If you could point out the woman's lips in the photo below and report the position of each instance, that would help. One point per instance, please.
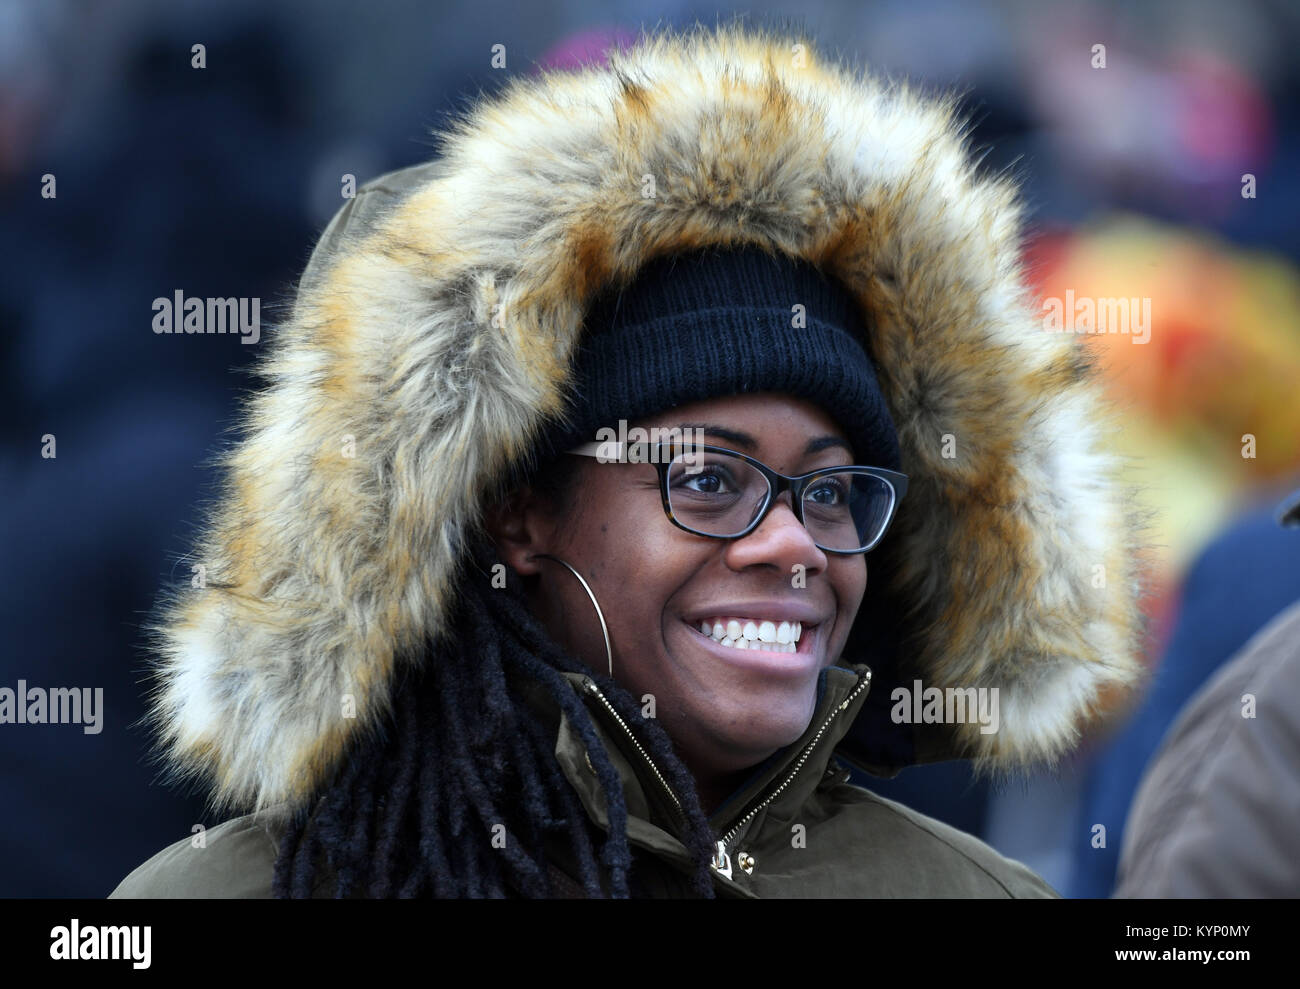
(797, 662)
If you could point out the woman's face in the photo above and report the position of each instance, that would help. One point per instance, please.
(725, 708)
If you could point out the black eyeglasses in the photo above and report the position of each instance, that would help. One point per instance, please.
(711, 491)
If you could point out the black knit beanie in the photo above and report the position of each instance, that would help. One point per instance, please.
(712, 323)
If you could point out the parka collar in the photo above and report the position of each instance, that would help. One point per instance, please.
(781, 783)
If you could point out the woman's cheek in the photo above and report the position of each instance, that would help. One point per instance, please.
(850, 586)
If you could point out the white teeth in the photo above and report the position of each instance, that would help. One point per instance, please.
(739, 633)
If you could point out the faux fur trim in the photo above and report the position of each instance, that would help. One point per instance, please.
(421, 363)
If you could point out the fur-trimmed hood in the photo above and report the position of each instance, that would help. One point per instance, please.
(429, 343)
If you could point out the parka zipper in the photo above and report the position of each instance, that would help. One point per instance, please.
(721, 860)
(591, 688)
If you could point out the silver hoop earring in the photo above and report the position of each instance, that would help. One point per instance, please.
(604, 629)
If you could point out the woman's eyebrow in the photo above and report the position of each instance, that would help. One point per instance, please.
(749, 443)
(825, 442)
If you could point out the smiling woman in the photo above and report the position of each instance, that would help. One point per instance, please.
(728, 706)
(468, 658)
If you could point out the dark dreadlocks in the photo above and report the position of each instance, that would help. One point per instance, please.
(412, 810)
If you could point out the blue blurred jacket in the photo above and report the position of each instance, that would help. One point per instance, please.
(1244, 578)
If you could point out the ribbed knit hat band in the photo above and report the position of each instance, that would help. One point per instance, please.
(715, 323)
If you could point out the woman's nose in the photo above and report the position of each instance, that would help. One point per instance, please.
(780, 539)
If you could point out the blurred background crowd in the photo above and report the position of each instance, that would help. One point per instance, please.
(1169, 174)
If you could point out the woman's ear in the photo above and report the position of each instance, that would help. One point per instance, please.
(521, 527)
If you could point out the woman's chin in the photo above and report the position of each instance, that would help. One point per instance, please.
(750, 741)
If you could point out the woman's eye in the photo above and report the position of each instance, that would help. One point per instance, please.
(707, 482)
(827, 492)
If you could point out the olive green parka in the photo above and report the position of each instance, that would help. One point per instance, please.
(797, 829)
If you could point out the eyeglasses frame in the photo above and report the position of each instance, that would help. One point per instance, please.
(777, 484)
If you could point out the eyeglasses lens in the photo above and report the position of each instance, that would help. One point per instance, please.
(721, 495)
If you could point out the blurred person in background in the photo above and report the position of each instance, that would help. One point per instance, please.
(1217, 814)
(151, 191)
(1246, 578)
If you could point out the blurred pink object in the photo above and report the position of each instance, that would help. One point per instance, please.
(1157, 120)
(585, 48)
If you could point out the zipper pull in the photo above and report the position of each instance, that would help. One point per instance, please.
(722, 861)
